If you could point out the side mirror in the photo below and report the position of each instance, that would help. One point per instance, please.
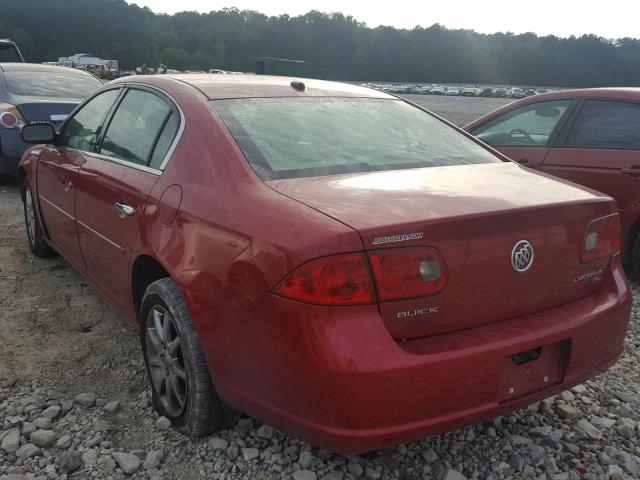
(38, 132)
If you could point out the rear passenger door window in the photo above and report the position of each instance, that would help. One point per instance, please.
(528, 126)
(142, 122)
(608, 124)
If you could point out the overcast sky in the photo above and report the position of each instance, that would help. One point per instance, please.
(610, 18)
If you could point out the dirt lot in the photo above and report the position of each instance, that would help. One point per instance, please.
(58, 339)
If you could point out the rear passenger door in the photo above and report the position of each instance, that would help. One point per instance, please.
(526, 133)
(114, 183)
(601, 150)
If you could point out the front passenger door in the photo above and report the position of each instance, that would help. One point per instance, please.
(57, 173)
(525, 134)
(114, 183)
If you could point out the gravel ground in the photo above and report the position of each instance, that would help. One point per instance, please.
(74, 401)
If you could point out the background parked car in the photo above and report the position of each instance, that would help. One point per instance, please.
(9, 52)
(486, 92)
(516, 92)
(500, 92)
(32, 92)
(590, 136)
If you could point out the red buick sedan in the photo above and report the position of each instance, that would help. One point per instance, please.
(588, 136)
(330, 259)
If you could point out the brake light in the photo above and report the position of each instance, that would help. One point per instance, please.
(601, 239)
(408, 272)
(336, 280)
(10, 116)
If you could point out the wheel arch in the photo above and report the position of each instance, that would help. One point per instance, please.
(145, 270)
(22, 176)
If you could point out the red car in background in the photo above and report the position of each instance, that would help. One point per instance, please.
(330, 259)
(588, 136)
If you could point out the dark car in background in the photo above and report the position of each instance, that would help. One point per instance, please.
(9, 52)
(31, 92)
(587, 136)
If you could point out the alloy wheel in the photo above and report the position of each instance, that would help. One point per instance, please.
(30, 215)
(166, 361)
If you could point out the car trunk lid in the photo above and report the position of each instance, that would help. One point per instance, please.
(474, 215)
(38, 109)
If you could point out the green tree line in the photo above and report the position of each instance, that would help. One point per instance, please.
(339, 46)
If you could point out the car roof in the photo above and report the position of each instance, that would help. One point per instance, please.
(630, 93)
(216, 87)
(620, 93)
(37, 67)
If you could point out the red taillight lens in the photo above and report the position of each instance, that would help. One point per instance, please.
(336, 280)
(408, 272)
(602, 239)
(10, 116)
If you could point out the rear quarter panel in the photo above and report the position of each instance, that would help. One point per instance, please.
(232, 238)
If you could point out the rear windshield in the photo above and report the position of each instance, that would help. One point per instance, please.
(50, 84)
(9, 53)
(294, 137)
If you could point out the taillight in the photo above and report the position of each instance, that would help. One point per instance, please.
(408, 272)
(10, 116)
(602, 238)
(336, 280)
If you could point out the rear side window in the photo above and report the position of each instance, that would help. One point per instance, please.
(50, 84)
(135, 127)
(606, 124)
(302, 137)
(165, 140)
(527, 126)
(81, 130)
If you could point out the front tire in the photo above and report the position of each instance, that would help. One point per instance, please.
(180, 380)
(35, 235)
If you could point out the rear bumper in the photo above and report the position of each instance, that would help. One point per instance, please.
(11, 150)
(336, 378)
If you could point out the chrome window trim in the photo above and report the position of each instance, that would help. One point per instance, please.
(144, 168)
(118, 161)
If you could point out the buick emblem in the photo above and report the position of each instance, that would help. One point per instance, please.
(522, 256)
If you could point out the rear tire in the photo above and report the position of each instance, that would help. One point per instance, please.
(35, 235)
(180, 380)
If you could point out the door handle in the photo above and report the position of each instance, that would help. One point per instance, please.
(633, 171)
(525, 162)
(124, 208)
